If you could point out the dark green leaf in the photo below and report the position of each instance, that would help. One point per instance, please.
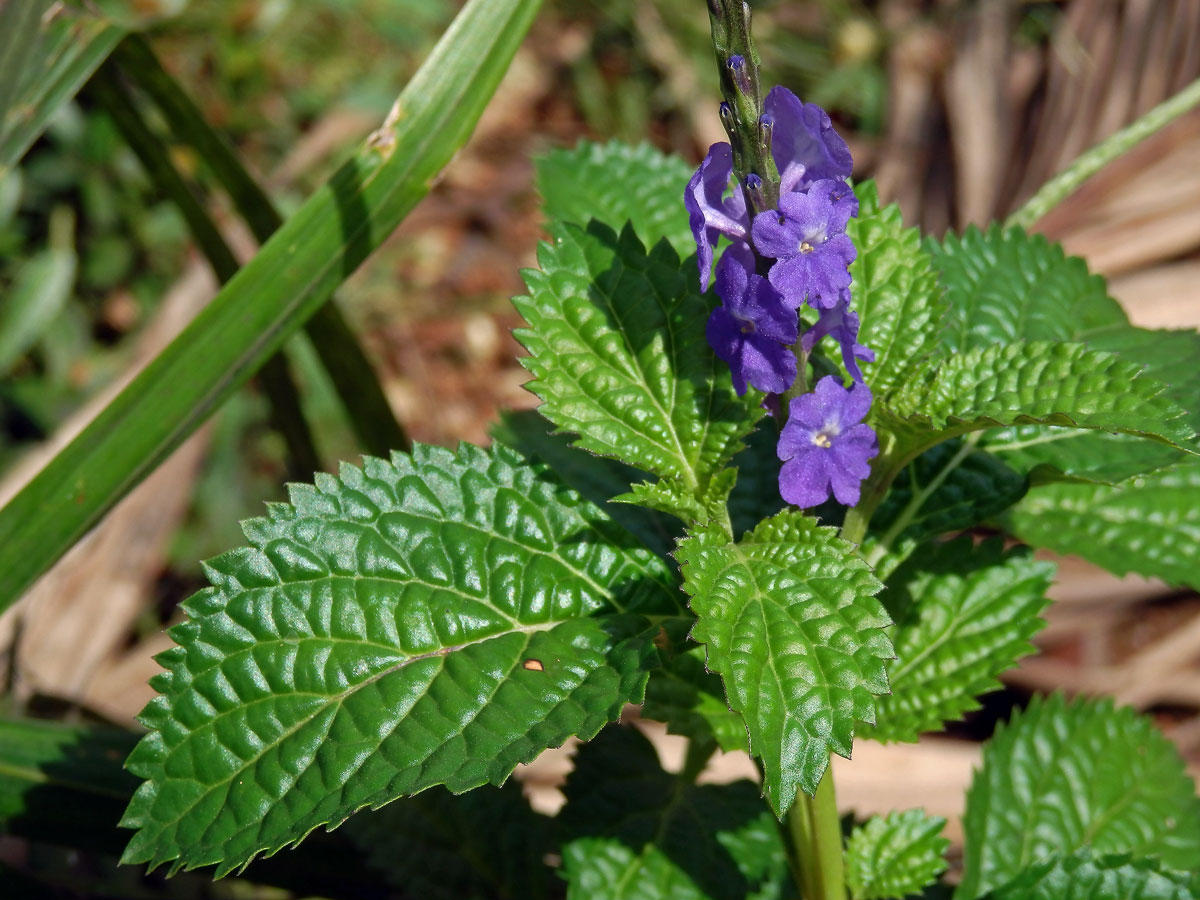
(791, 625)
(615, 183)
(1149, 525)
(486, 844)
(964, 614)
(618, 356)
(435, 620)
(634, 832)
(895, 290)
(1067, 775)
(896, 856)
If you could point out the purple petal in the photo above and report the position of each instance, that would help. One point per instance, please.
(710, 214)
(804, 480)
(775, 236)
(804, 144)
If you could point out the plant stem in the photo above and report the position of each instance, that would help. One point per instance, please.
(287, 414)
(1092, 161)
(816, 834)
(370, 414)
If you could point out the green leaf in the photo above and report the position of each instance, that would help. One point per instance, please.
(294, 273)
(1067, 775)
(1149, 525)
(791, 625)
(616, 183)
(1085, 876)
(52, 58)
(486, 844)
(64, 784)
(1004, 285)
(964, 614)
(1166, 356)
(634, 832)
(435, 620)
(618, 356)
(690, 699)
(895, 856)
(895, 290)
(1029, 382)
(949, 487)
(596, 478)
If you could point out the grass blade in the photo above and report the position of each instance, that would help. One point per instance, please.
(290, 278)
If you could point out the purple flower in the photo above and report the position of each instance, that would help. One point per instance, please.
(808, 237)
(825, 446)
(805, 149)
(840, 323)
(803, 143)
(752, 329)
(710, 212)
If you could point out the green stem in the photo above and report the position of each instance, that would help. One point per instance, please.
(370, 414)
(287, 415)
(1092, 161)
(816, 834)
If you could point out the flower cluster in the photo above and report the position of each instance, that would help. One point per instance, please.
(781, 259)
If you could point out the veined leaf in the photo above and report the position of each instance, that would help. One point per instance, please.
(634, 832)
(293, 274)
(596, 478)
(1005, 284)
(1029, 382)
(435, 620)
(486, 844)
(615, 183)
(690, 699)
(1064, 776)
(896, 856)
(791, 625)
(964, 615)
(895, 290)
(1149, 525)
(1085, 876)
(618, 356)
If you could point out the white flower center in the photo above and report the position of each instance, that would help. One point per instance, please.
(824, 438)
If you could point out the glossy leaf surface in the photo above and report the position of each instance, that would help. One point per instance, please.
(790, 622)
(433, 620)
(1062, 776)
(964, 614)
(615, 183)
(895, 856)
(618, 356)
(1086, 876)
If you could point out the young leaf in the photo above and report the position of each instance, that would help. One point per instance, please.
(1030, 382)
(615, 183)
(486, 844)
(1085, 876)
(895, 856)
(634, 832)
(1067, 775)
(791, 625)
(618, 355)
(895, 289)
(1004, 284)
(1149, 525)
(435, 620)
(964, 614)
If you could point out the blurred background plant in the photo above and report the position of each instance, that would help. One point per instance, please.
(959, 109)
